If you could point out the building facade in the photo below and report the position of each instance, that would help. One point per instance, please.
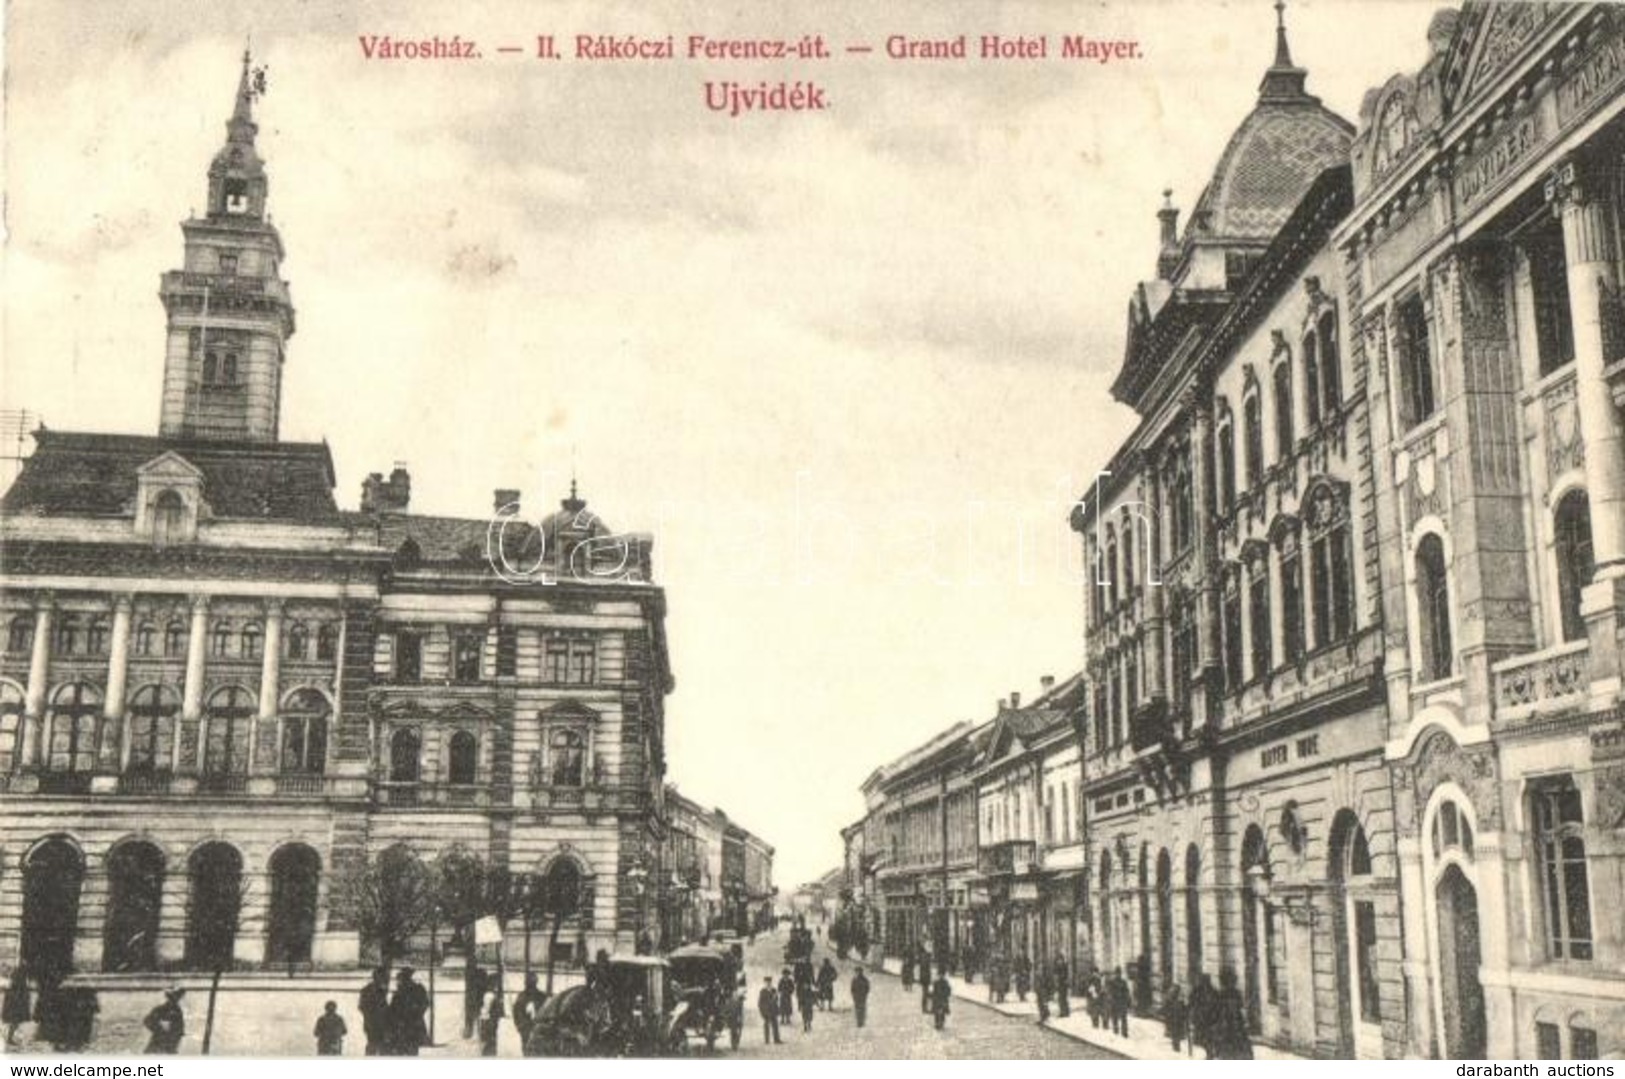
(226, 700)
(1484, 256)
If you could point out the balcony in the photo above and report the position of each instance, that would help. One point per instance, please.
(64, 782)
(144, 783)
(448, 795)
(1150, 725)
(1540, 683)
(1010, 858)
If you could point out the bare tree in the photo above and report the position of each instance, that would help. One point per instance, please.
(390, 898)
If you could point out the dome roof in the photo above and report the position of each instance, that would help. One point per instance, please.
(575, 518)
(1287, 141)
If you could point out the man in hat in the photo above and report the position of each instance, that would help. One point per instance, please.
(767, 1003)
(860, 996)
(408, 1032)
(167, 1023)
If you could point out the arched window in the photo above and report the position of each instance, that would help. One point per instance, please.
(75, 721)
(175, 638)
(1331, 569)
(404, 752)
(20, 634)
(1183, 502)
(1283, 409)
(1564, 885)
(96, 637)
(1230, 604)
(1227, 459)
(565, 889)
(1576, 561)
(229, 711)
(1258, 613)
(1331, 362)
(1451, 831)
(220, 639)
(1311, 377)
(298, 641)
(1193, 912)
(152, 728)
(464, 758)
(1433, 609)
(1111, 568)
(1128, 556)
(168, 519)
(327, 642)
(146, 639)
(304, 733)
(1415, 361)
(1291, 556)
(11, 721)
(251, 639)
(568, 758)
(1253, 421)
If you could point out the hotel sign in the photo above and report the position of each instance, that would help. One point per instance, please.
(1591, 79)
(1490, 166)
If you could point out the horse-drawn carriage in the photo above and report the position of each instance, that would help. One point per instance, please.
(624, 1010)
(710, 996)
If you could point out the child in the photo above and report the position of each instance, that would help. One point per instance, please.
(330, 1031)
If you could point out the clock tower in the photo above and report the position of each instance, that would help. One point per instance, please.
(229, 313)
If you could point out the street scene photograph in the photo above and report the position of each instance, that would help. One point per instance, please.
(1007, 530)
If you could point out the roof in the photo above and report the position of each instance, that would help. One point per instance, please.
(1283, 144)
(94, 475)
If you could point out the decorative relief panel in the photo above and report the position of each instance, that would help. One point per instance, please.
(1437, 759)
(1565, 448)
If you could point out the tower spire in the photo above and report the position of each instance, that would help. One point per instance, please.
(1283, 82)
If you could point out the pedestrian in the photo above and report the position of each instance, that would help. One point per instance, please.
(490, 1022)
(908, 968)
(767, 1003)
(374, 1008)
(1042, 990)
(860, 996)
(17, 1007)
(827, 976)
(525, 1008)
(473, 994)
(787, 996)
(330, 1031)
(941, 991)
(1175, 1019)
(1200, 1012)
(1117, 999)
(1230, 1040)
(1024, 977)
(407, 1030)
(1063, 987)
(1094, 995)
(166, 1023)
(807, 1001)
(51, 1010)
(926, 984)
(80, 1027)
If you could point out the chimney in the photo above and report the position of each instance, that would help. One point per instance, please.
(1015, 700)
(1047, 682)
(393, 495)
(1168, 246)
(504, 496)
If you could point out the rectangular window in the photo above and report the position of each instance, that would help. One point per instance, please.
(1415, 363)
(1549, 281)
(465, 657)
(1582, 1043)
(583, 662)
(1320, 589)
(1232, 638)
(1548, 1044)
(1565, 885)
(408, 656)
(1365, 956)
(1342, 614)
(557, 659)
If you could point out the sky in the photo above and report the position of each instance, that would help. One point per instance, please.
(850, 366)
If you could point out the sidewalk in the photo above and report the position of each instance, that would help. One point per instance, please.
(1145, 1040)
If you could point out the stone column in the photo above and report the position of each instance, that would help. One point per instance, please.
(39, 667)
(192, 695)
(1207, 613)
(1574, 193)
(118, 666)
(270, 680)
